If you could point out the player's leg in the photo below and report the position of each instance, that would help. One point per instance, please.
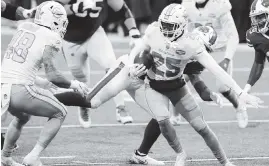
(77, 61)
(100, 49)
(42, 103)
(185, 103)
(230, 95)
(157, 105)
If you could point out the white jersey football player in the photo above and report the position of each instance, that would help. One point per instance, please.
(33, 45)
(216, 13)
(172, 47)
(85, 38)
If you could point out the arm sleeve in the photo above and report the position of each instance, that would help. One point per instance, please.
(257, 68)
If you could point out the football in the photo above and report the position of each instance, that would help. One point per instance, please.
(145, 58)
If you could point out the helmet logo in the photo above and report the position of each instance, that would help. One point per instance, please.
(57, 12)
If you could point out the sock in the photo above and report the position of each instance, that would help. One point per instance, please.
(2, 140)
(170, 134)
(72, 99)
(231, 96)
(11, 137)
(151, 134)
(49, 131)
(213, 143)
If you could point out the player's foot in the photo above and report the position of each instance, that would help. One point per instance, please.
(8, 161)
(84, 117)
(175, 120)
(122, 115)
(242, 117)
(181, 159)
(15, 148)
(139, 158)
(32, 161)
(229, 164)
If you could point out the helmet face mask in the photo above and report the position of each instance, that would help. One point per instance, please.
(173, 21)
(261, 22)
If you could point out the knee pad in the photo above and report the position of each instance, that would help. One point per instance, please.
(80, 74)
(198, 124)
(61, 114)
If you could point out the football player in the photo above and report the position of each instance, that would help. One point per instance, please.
(216, 13)
(86, 38)
(34, 44)
(11, 12)
(172, 47)
(258, 37)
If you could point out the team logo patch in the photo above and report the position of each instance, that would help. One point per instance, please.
(180, 52)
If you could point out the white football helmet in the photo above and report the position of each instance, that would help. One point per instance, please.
(259, 14)
(207, 35)
(53, 16)
(173, 21)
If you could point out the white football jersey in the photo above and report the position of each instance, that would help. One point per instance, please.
(24, 55)
(210, 15)
(170, 58)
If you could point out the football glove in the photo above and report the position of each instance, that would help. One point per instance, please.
(250, 99)
(29, 13)
(135, 37)
(217, 99)
(78, 8)
(247, 88)
(79, 87)
(137, 70)
(225, 64)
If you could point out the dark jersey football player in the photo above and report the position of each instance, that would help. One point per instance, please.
(12, 12)
(258, 38)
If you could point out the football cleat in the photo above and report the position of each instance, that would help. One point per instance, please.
(144, 160)
(31, 161)
(84, 117)
(242, 118)
(176, 120)
(8, 161)
(122, 115)
(181, 159)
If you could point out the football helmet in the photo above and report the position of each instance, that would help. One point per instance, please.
(52, 15)
(173, 21)
(200, 1)
(207, 35)
(259, 14)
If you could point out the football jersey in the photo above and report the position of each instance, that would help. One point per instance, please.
(209, 16)
(170, 58)
(79, 29)
(24, 55)
(259, 41)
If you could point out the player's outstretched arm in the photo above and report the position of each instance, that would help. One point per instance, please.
(208, 62)
(256, 70)
(55, 76)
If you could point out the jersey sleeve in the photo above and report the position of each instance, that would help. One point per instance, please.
(193, 46)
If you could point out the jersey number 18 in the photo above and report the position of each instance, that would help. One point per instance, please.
(19, 45)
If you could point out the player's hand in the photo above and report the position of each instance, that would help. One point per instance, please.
(29, 13)
(79, 87)
(216, 98)
(135, 37)
(137, 70)
(225, 64)
(250, 99)
(77, 8)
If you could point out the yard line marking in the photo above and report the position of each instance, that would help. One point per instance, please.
(170, 161)
(141, 124)
(55, 157)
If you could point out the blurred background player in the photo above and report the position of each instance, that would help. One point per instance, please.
(258, 37)
(218, 15)
(86, 38)
(33, 45)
